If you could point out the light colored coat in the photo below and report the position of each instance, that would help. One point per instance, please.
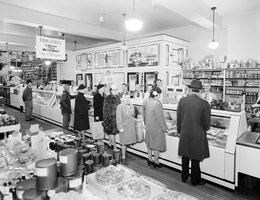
(155, 124)
(125, 121)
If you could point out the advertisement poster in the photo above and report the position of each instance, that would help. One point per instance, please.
(100, 60)
(143, 56)
(50, 48)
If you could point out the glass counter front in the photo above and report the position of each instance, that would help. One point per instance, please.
(217, 135)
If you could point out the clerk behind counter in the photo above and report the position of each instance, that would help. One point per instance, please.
(207, 95)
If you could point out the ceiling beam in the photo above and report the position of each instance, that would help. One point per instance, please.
(198, 12)
(18, 15)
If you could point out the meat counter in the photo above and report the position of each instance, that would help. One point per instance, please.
(226, 127)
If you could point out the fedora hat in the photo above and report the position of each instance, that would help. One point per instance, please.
(196, 84)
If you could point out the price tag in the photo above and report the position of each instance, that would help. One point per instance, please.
(41, 172)
(64, 159)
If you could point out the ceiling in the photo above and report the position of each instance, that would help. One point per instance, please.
(78, 19)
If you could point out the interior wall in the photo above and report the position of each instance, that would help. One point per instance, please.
(243, 35)
(67, 68)
(199, 38)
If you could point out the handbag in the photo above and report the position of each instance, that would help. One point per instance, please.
(139, 131)
(97, 130)
(107, 129)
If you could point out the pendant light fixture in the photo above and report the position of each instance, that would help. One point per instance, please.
(133, 24)
(213, 44)
(124, 46)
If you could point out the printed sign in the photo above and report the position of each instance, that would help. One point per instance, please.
(50, 48)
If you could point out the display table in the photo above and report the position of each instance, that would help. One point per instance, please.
(111, 191)
(248, 154)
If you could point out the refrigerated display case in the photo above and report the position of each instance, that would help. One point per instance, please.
(226, 127)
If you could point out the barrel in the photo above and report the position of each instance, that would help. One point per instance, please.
(69, 162)
(46, 174)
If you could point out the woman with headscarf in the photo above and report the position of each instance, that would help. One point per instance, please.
(155, 126)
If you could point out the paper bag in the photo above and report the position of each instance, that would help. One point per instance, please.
(139, 131)
(97, 130)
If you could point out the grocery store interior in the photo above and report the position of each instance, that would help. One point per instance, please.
(131, 44)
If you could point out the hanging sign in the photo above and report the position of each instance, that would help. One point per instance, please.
(50, 48)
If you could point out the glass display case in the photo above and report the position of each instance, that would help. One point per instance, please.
(43, 97)
(217, 135)
(226, 128)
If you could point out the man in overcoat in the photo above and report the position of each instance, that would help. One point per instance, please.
(193, 120)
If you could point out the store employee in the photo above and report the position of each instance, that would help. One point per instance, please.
(207, 95)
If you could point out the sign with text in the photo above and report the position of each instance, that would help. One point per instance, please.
(50, 48)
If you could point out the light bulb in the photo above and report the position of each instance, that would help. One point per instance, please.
(124, 47)
(133, 24)
(47, 62)
(213, 44)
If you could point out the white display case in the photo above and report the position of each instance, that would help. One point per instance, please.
(220, 167)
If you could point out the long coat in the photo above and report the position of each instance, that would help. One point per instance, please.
(98, 101)
(81, 119)
(155, 124)
(126, 121)
(193, 120)
(109, 114)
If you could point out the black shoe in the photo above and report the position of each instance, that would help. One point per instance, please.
(124, 161)
(201, 182)
(159, 165)
(184, 179)
(149, 162)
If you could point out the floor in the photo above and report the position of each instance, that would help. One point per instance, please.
(166, 175)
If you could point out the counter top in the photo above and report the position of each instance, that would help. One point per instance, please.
(249, 139)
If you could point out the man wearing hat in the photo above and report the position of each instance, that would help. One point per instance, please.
(27, 99)
(81, 118)
(66, 105)
(98, 101)
(193, 120)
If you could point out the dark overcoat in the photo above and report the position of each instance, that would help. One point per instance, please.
(193, 120)
(98, 101)
(81, 118)
(109, 114)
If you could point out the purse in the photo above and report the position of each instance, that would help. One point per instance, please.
(139, 131)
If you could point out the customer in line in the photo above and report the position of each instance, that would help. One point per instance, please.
(81, 118)
(66, 106)
(109, 114)
(155, 127)
(125, 113)
(148, 91)
(28, 101)
(98, 101)
(193, 120)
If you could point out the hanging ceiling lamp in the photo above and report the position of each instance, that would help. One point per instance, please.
(213, 44)
(133, 24)
(124, 47)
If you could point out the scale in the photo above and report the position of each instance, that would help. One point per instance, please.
(177, 91)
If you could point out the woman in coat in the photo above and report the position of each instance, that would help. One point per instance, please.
(109, 114)
(98, 101)
(81, 118)
(155, 126)
(125, 120)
